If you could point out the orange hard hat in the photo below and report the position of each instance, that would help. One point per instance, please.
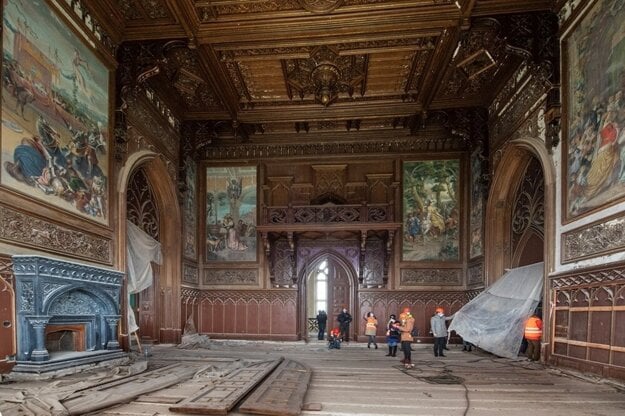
(406, 310)
(440, 310)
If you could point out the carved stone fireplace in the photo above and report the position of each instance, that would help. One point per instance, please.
(67, 313)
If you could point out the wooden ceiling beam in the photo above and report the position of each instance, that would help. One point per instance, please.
(497, 7)
(219, 82)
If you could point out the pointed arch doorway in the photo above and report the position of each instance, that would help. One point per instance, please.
(329, 284)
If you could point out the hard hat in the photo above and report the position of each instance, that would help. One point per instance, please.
(440, 310)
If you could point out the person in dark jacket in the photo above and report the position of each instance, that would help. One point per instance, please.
(344, 319)
(392, 336)
(322, 319)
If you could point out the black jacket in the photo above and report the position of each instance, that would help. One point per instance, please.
(322, 318)
(344, 318)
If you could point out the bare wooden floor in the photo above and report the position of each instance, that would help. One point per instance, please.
(359, 381)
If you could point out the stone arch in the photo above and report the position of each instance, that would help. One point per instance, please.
(165, 194)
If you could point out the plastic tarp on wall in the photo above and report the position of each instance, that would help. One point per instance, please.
(141, 250)
(495, 319)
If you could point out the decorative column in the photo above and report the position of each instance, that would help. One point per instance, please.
(39, 323)
(113, 343)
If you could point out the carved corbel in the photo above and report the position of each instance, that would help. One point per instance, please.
(552, 120)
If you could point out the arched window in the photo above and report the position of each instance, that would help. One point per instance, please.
(321, 286)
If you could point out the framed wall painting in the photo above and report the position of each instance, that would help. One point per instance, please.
(594, 109)
(55, 112)
(431, 210)
(231, 214)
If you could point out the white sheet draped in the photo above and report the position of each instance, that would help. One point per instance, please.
(495, 319)
(141, 250)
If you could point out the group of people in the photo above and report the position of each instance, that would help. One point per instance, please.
(401, 332)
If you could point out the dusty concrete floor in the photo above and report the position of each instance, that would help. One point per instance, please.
(359, 381)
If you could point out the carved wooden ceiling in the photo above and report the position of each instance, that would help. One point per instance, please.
(280, 68)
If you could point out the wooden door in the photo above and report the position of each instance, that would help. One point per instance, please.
(340, 293)
(7, 324)
(147, 307)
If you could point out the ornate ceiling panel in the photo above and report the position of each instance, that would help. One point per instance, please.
(300, 66)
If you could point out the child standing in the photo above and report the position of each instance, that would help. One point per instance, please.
(371, 329)
(392, 336)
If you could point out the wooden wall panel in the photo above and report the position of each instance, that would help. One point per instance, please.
(588, 327)
(249, 314)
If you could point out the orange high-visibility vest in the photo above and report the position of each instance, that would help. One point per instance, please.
(534, 328)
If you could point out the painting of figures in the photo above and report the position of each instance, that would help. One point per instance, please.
(231, 214)
(594, 148)
(477, 205)
(55, 112)
(430, 210)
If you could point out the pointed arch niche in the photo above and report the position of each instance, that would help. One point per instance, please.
(166, 290)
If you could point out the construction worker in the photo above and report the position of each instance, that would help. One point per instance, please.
(405, 326)
(533, 334)
(439, 330)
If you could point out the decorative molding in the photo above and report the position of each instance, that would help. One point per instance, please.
(380, 147)
(430, 277)
(141, 205)
(589, 277)
(412, 298)
(19, 228)
(283, 296)
(226, 277)
(87, 21)
(592, 240)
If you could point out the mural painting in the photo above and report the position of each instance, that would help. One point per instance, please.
(430, 210)
(477, 205)
(594, 53)
(231, 214)
(190, 216)
(55, 112)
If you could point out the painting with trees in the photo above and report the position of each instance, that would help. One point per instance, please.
(231, 213)
(430, 210)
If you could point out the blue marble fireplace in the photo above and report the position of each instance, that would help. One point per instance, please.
(67, 313)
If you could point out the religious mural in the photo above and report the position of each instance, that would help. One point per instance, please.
(594, 55)
(231, 213)
(189, 210)
(55, 112)
(477, 205)
(430, 210)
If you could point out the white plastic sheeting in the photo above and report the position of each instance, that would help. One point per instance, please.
(495, 319)
(141, 250)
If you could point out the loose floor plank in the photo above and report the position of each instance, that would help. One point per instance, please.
(224, 393)
(282, 394)
(124, 390)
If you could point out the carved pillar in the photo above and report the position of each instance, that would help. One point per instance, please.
(39, 323)
(270, 263)
(292, 257)
(387, 257)
(363, 251)
(112, 343)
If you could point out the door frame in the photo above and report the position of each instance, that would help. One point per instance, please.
(302, 284)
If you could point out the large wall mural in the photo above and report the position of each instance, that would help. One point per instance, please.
(231, 213)
(55, 112)
(594, 54)
(430, 210)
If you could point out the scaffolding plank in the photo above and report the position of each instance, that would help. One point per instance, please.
(282, 394)
(224, 393)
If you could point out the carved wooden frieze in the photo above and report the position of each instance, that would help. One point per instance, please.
(21, 229)
(412, 298)
(144, 9)
(190, 274)
(282, 263)
(596, 239)
(227, 277)
(307, 250)
(475, 274)
(399, 145)
(283, 296)
(430, 277)
(590, 277)
(147, 121)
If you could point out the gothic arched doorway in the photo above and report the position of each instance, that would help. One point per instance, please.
(148, 199)
(327, 284)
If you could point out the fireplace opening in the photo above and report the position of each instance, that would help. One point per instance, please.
(62, 338)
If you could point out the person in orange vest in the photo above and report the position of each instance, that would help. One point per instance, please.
(405, 327)
(533, 334)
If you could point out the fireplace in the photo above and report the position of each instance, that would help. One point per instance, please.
(67, 313)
